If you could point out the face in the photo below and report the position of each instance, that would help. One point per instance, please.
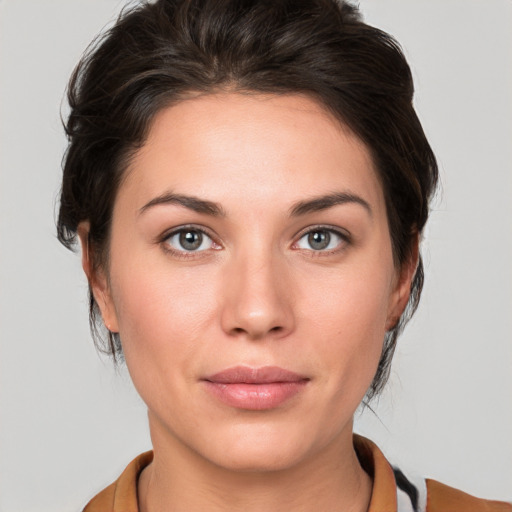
(251, 278)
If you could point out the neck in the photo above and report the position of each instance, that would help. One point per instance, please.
(180, 479)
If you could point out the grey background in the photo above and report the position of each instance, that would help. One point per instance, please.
(69, 423)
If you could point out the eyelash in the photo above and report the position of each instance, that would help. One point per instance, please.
(344, 237)
(183, 253)
(344, 240)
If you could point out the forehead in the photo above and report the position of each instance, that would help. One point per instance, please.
(275, 148)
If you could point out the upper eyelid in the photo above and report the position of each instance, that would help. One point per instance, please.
(327, 227)
(192, 227)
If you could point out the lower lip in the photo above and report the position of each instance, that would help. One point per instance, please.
(255, 397)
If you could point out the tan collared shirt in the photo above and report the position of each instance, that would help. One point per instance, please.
(121, 496)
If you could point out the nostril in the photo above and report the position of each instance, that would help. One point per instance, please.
(256, 333)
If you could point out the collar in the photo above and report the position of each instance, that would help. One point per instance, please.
(375, 464)
(121, 496)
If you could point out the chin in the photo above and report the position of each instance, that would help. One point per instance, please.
(245, 459)
(261, 449)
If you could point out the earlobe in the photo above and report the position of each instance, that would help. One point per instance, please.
(402, 289)
(97, 278)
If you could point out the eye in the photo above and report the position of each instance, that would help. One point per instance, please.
(189, 240)
(321, 239)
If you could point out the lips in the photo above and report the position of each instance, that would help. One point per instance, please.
(262, 388)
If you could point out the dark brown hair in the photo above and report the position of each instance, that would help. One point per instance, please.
(158, 52)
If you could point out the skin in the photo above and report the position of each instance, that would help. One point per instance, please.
(256, 293)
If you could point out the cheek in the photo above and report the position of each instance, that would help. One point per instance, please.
(348, 315)
(162, 315)
(165, 323)
(353, 300)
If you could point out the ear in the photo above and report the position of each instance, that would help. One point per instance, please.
(98, 281)
(402, 286)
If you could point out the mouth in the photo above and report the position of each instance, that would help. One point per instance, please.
(255, 389)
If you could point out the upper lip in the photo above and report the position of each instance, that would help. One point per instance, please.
(247, 375)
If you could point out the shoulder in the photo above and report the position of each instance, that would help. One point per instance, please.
(395, 491)
(103, 501)
(442, 498)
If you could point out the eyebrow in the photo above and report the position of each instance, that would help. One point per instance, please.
(317, 204)
(190, 202)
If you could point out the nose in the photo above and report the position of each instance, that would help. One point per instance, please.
(258, 299)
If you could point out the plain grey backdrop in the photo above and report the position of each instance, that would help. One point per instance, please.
(70, 423)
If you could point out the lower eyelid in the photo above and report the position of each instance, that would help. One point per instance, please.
(344, 238)
(166, 237)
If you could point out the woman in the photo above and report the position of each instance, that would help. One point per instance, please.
(249, 183)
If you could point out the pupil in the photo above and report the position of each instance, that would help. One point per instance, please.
(191, 240)
(319, 239)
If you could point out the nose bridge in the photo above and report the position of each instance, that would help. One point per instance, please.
(258, 301)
